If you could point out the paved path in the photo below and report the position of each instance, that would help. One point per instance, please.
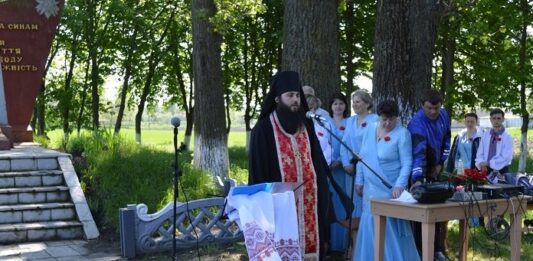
(61, 250)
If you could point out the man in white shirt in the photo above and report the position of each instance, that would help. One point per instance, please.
(495, 151)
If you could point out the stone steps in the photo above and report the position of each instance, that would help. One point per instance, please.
(39, 231)
(49, 194)
(36, 178)
(41, 198)
(25, 213)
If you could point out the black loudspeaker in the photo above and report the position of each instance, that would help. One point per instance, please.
(432, 193)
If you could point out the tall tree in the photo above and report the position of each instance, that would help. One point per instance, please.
(179, 68)
(129, 45)
(403, 51)
(524, 72)
(210, 150)
(311, 44)
(155, 40)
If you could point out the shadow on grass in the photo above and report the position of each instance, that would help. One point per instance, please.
(482, 247)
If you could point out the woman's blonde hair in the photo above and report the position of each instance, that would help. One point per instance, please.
(364, 96)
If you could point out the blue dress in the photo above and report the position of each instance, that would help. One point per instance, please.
(392, 158)
(338, 232)
(353, 136)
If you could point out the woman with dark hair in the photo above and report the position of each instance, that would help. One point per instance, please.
(386, 147)
(338, 112)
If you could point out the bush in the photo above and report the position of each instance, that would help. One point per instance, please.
(119, 172)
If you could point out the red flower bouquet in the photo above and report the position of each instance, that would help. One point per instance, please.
(470, 177)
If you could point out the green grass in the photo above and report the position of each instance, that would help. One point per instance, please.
(153, 137)
(484, 247)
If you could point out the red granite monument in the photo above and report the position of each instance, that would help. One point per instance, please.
(27, 28)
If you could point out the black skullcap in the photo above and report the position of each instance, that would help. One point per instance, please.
(282, 82)
(286, 81)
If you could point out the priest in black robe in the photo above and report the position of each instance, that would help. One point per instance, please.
(284, 148)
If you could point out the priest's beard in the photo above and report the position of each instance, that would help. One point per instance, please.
(290, 120)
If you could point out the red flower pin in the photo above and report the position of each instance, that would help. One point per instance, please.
(363, 124)
(470, 139)
(320, 134)
(342, 128)
(387, 138)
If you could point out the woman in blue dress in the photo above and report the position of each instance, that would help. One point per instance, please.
(337, 108)
(386, 147)
(353, 136)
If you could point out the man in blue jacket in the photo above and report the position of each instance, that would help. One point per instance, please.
(430, 134)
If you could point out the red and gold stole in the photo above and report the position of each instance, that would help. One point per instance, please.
(296, 165)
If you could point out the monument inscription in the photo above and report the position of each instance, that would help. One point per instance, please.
(27, 28)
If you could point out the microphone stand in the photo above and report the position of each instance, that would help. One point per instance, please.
(355, 159)
(176, 175)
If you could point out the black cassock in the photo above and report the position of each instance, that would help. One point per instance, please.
(263, 166)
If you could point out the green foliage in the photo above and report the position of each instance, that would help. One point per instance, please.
(43, 140)
(231, 12)
(238, 158)
(487, 73)
(118, 172)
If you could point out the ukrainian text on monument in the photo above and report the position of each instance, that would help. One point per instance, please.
(27, 29)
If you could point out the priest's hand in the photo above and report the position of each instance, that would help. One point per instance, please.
(396, 192)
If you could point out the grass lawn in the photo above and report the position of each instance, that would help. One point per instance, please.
(155, 137)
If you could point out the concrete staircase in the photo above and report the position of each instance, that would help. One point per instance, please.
(41, 198)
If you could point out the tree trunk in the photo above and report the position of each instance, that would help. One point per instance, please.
(189, 114)
(349, 17)
(210, 150)
(93, 56)
(448, 57)
(125, 86)
(153, 62)
(144, 95)
(403, 52)
(83, 98)
(523, 74)
(67, 95)
(38, 122)
(311, 44)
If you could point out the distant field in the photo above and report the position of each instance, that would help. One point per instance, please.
(155, 137)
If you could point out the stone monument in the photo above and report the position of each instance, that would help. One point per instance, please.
(27, 28)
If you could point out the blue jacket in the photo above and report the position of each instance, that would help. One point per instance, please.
(431, 142)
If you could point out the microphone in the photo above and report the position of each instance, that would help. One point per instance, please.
(175, 121)
(313, 116)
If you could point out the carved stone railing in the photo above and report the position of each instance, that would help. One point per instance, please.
(141, 232)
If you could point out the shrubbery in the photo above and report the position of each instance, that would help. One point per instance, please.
(115, 171)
